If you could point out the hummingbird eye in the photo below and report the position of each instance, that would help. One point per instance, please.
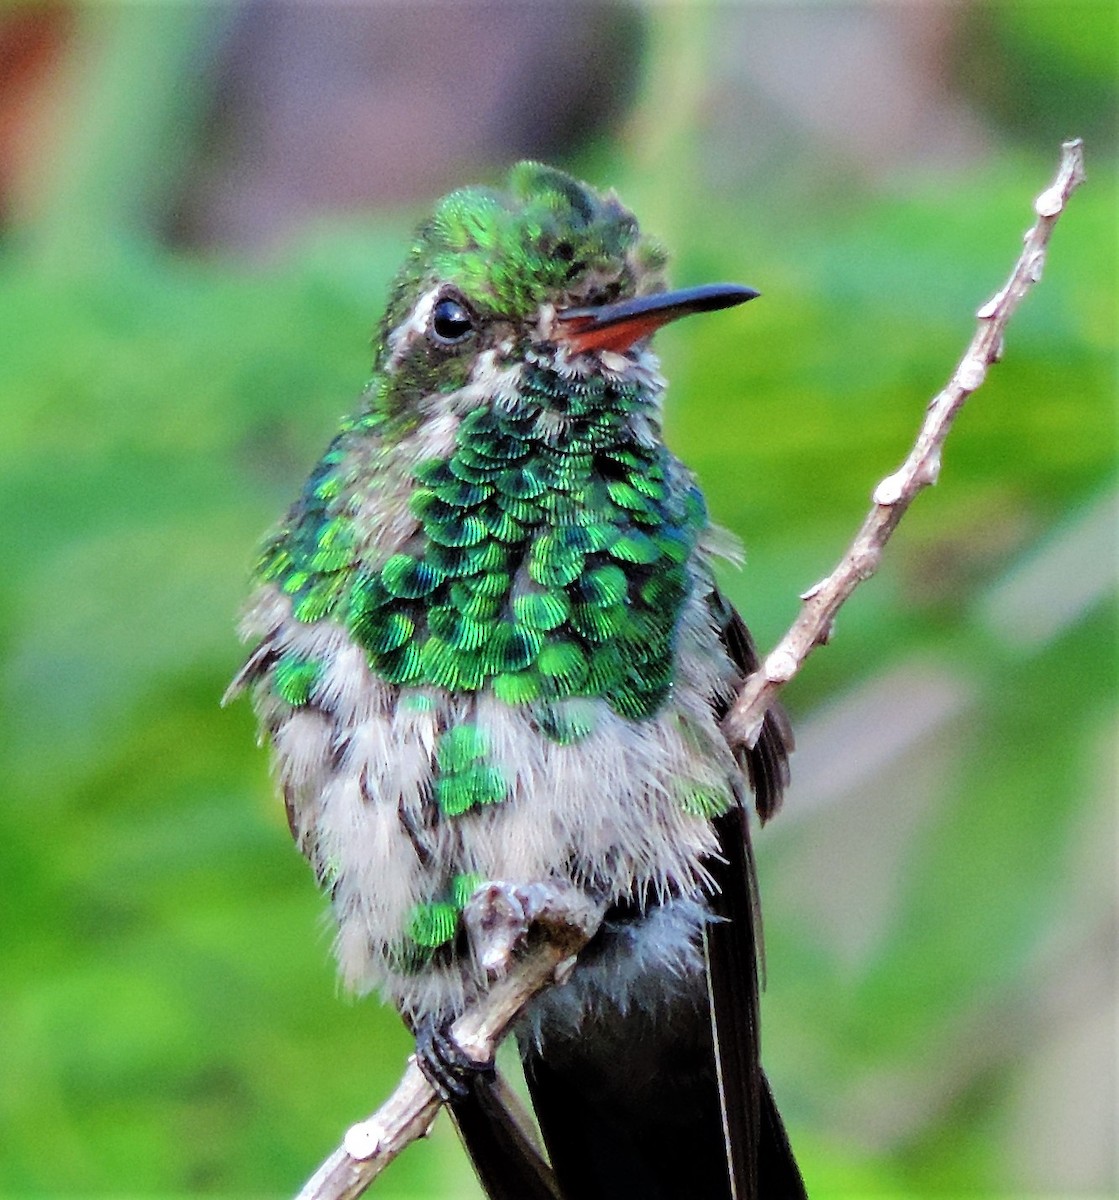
(451, 321)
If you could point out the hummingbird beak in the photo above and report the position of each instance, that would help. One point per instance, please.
(617, 326)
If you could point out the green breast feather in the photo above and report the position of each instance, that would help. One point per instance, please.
(546, 568)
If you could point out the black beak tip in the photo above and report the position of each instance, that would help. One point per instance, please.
(730, 294)
(640, 315)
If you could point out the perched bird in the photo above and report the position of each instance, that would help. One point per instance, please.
(488, 645)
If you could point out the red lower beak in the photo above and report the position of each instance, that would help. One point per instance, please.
(618, 326)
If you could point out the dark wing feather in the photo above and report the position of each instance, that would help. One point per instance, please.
(761, 1160)
(258, 662)
(778, 1173)
(767, 762)
(732, 980)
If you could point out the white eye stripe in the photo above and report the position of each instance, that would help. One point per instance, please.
(413, 327)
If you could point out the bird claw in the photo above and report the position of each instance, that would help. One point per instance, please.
(445, 1064)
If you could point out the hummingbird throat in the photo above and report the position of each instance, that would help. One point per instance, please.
(546, 567)
(549, 563)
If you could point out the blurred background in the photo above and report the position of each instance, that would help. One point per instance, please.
(201, 206)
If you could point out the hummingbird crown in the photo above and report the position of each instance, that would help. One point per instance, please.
(483, 280)
(547, 239)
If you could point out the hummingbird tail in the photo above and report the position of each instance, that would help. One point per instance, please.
(504, 1154)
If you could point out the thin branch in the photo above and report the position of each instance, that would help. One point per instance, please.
(526, 937)
(896, 492)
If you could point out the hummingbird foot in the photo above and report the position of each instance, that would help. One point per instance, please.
(446, 1066)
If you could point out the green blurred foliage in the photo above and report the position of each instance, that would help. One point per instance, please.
(169, 1021)
(1035, 66)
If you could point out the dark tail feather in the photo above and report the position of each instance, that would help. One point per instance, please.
(779, 1176)
(634, 1117)
(505, 1157)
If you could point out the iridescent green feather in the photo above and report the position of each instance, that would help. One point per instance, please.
(295, 678)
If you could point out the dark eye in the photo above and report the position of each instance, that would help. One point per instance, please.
(451, 321)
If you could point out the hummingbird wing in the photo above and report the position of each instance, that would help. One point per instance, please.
(761, 1159)
(659, 1092)
(766, 763)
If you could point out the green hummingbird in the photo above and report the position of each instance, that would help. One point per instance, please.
(488, 645)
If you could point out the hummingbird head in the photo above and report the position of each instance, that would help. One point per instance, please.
(546, 270)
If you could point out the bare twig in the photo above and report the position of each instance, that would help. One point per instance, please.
(896, 492)
(551, 923)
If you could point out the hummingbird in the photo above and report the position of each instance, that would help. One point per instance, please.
(487, 644)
